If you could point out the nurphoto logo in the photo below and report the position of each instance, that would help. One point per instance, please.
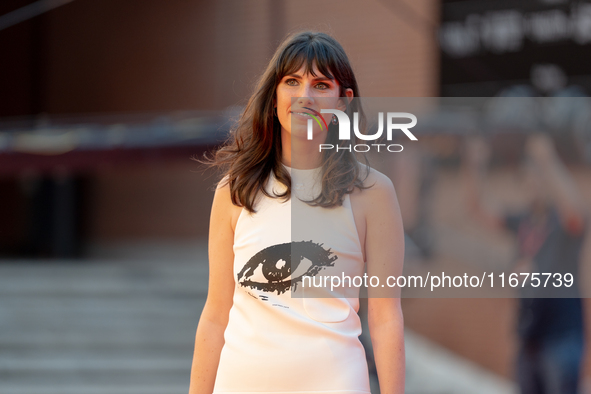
(345, 130)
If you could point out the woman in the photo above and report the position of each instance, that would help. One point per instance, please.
(255, 334)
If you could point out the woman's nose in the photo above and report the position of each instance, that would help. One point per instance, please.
(305, 97)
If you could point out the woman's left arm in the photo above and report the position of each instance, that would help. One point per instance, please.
(384, 250)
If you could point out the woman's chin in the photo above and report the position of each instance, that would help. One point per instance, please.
(301, 132)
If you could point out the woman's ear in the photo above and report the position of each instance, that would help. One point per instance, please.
(349, 94)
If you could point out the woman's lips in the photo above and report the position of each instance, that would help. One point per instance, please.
(300, 113)
(302, 116)
(314, 114)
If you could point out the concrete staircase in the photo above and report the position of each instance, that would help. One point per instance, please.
(126, 324)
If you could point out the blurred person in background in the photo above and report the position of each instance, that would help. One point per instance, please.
(414, 174)
(253, 335)
(549, 235)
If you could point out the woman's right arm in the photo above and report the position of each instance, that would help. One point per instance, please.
(209, 338)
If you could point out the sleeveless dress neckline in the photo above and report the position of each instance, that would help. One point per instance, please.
(301, 170)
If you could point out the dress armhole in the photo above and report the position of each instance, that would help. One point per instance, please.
(349, 207)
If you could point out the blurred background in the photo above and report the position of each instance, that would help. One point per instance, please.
(104, 216)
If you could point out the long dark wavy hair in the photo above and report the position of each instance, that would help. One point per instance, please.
(253, 148)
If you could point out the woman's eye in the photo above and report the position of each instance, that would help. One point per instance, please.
(322, 86)
(291, 82)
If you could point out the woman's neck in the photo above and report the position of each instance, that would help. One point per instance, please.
(298, 154)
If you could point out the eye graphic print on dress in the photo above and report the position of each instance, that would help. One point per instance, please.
(281, 270)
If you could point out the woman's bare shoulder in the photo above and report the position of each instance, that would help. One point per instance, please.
(376, 183)
(378, 197)
(222, 202)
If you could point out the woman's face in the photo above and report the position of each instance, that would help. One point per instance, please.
(301, 95)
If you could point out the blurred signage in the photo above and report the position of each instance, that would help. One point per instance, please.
(493, 44)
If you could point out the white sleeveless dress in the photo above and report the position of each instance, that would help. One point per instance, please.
(276, 342)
